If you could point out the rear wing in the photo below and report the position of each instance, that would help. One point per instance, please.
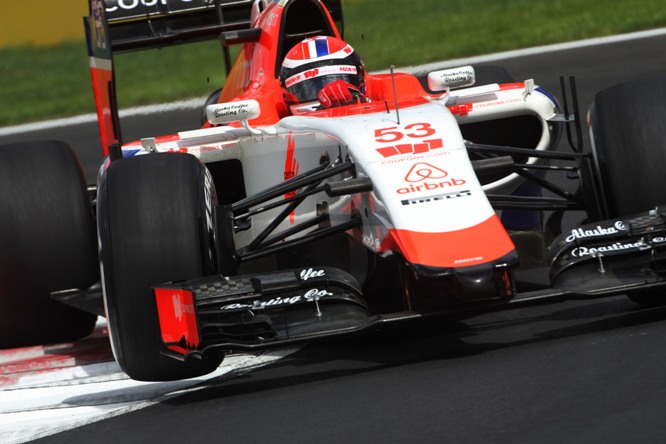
(118, 26)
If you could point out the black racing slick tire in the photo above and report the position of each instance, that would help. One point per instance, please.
(629, 147)
(154, 217)
(47, 244)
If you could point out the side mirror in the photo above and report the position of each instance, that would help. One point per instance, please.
(240, 36)
(242, 110)
(451, 78)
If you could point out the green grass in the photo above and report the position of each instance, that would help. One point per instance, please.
(40, 83)
(415, 32)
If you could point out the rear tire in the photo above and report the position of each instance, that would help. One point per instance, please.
(628, 127)
(47, 243)
(154, 214)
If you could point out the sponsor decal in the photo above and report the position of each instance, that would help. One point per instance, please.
(315, 294)
(177, 310)
(311, 73)
(417, 157)
(311, 295)
(497, 103)
(207, 148)
(429, 186)
(310, 273)
(202, 148)
(435, 198)
(293, 80)
(613, 248)
(231, 109)
(318, 72)
(115, 5)
(179, 307)
(599, 231)
(422, 171)
(411, 148)
(209, 198)
(455, 76)
(468, 260)
(458, 78)
(431, 178)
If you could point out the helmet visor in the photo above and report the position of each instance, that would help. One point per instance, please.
(305, 86)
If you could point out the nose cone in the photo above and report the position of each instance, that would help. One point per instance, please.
(484, 243)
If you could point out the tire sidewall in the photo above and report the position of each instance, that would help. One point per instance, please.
(155, 225)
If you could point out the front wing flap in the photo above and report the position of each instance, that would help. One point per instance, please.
(252, 310)
(612, 257)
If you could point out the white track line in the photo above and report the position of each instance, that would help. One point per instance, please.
(566, 46)
(197, 102)
(90, 118)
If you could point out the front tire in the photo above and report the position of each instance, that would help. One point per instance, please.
(155, 226)
(629, 149)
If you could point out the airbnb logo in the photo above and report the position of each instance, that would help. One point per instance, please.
(429, 178)
(422, 171)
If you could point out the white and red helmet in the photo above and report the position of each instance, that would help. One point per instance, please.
(316, 62)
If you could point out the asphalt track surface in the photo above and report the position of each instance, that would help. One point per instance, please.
(575, 372)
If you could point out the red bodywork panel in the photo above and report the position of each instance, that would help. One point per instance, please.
(427, 248)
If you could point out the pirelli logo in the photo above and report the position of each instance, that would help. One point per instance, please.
(411, 148)
(436, 197)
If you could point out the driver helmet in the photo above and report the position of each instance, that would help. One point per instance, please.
(316, 62)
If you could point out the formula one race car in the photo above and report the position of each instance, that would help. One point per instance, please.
(286, 219)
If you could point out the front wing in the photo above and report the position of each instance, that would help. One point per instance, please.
(249, 311)
(265, 310)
